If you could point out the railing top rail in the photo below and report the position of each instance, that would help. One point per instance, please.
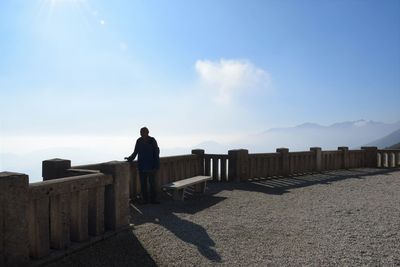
(68, 184)
(331, 151)
(357, 151)
(301, 153)
(95, 166)
(272, 154)
(389, 150)
(178, 157)
(216, 155)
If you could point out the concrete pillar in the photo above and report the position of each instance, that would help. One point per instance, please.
(345, 157)
(371, 155)
(55, 168)
(116, 214)
(284, 161)
(200, 153)
(238, 165)
(318, 158)
(14, 237)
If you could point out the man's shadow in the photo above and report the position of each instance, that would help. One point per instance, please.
(187, 231)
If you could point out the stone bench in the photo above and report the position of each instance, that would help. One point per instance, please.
(178, 187)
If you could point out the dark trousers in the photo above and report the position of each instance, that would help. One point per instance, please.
(148, 176)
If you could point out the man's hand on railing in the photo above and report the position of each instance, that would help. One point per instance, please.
(129, 159)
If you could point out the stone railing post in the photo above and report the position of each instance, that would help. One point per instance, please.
(238, 165)
(318, 158)
(345, 157)
(200, 153)
(116, 214)
(55, 168)
(284, 160)
(14, 236)
(371, 155)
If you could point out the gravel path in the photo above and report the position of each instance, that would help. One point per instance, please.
(342, 218)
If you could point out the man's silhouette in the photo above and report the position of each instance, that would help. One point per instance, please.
(148, 163)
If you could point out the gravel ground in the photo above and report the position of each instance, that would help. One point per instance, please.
(341, 218)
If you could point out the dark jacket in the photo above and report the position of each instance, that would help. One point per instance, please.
(148, 154)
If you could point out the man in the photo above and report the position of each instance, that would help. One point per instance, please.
(148, 163)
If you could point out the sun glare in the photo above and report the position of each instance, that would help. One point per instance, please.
(64, 1)
(83, 8)
(58, 3)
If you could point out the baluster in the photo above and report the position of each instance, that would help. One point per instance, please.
(133, 183)
(60, 221)
(185, 169)
(192, 167)
(181, 168)
(188, 170)
(291, 162)
(224, 177)
(391, 160)
(302, 163)
(38, 218)
(277, 167)
(252, 170)
(173, 172)
(385, 160)
(96, 211)
(79, 216)
(259, 167)
(215, 168)
(264, 166)
(207, 166)
(379, 160)
(270, 167)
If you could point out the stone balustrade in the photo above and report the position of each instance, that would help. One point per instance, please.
(70, 207)
(77, 204)
(65, 210)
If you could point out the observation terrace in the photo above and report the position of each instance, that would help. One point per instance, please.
(285, 208)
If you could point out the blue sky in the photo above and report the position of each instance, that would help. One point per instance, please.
(204, 69)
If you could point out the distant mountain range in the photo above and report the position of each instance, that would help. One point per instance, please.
(387, 141)
(395, 146)
(353, 134)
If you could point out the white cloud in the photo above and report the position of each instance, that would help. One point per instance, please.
(229, 78)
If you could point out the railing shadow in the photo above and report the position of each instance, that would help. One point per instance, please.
(122, 250)
(185, 230)
(282, 185)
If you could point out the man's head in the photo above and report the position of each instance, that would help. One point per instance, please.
(144, 132)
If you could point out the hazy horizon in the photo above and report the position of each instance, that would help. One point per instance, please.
(25, 154)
